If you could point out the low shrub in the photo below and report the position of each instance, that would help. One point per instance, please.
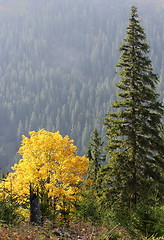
(9, 213)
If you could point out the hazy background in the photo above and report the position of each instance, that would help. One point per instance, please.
(57, 64)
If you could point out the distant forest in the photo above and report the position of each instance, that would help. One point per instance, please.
(57, 65)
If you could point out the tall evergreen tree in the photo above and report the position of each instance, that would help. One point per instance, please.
(134, 130)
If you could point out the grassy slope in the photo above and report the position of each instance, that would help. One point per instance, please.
(79, 230)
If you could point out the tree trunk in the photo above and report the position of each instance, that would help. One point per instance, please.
(35, 216)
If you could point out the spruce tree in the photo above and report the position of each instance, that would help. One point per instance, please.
(88, 207)
(95, 155)
(134, 128)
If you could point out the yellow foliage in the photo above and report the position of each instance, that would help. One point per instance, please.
(49, 159)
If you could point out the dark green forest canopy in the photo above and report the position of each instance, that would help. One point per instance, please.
(57, 65)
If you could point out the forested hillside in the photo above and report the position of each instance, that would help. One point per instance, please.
(57, 65)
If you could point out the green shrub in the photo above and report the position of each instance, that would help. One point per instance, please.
(147, 220)
(88, 208)
(8, 212)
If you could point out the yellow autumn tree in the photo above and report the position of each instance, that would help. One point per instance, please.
(49, 162)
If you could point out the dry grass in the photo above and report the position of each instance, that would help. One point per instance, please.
(26, 231)
(75, 231)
